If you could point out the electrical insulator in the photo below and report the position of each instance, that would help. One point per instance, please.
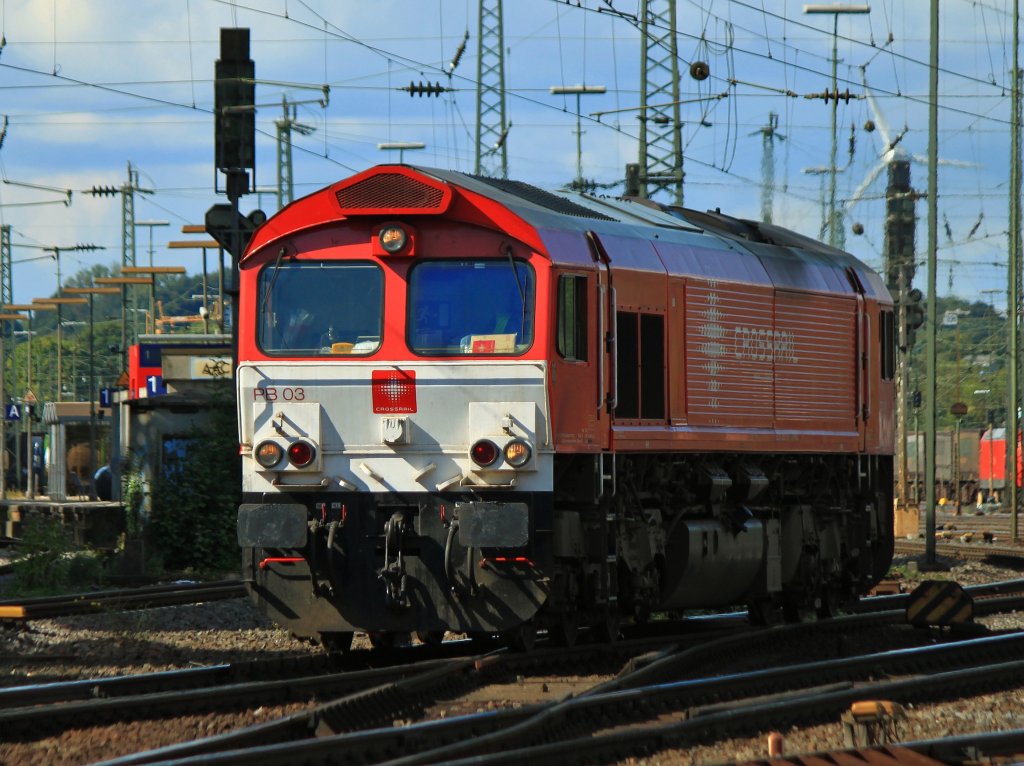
(838, 95)
(458, 54)
(104, 191)
(425, 89)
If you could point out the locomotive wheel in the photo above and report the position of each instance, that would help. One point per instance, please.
(828, 603)
(763, 611)
(483, 642)
(338, 642)
(521, 638)
(605, 628)
(387, 639)
(430, 637)
(791, 607)
(564, 629)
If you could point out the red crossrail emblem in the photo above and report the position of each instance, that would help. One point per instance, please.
(394, 391)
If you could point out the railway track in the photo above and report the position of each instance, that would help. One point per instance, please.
(995, 747)
(1010, 555)
(614, 719)
(47, 708)
(401, 699)
(120, 599)
(997, 524)
(363, 704)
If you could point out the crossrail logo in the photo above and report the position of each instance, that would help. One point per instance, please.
(394, 391)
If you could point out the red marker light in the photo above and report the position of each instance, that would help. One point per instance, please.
(301, 454)
(484, 452)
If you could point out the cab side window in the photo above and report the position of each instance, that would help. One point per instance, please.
(572, 318)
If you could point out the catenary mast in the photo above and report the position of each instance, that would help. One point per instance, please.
(491, 126)
(661, 148)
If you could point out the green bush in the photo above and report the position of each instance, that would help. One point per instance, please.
(132, 495)
(50, 562)
(194, 500)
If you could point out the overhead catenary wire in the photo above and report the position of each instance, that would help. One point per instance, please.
(777, 53)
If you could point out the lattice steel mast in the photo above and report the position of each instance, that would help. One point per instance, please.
(287, 123)
(661, 149)
(6, 297)
(491, 125)
(769, 135)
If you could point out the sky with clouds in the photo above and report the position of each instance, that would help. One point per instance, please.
(88, 86)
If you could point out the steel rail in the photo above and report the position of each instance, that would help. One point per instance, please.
(713, 724)
(55, 706)
(508, 735)
(971, 551)
(981, 747)
(323, 718)
(37, 719)
(297, 667)
(645, 668)
(121, 599)
(982, 594)
(235, 675)
(170, 680)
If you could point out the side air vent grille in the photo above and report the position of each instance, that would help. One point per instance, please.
(393, 192)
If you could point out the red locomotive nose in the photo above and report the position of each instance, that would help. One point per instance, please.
(301, 454)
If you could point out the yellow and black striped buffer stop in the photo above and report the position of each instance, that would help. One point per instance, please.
(939, 603)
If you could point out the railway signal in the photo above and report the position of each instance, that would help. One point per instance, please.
(913, 317)
(234, 95)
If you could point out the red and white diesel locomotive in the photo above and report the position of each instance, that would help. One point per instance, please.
(469, 404)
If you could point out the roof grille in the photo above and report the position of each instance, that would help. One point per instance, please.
(543, 198)
(390, 191)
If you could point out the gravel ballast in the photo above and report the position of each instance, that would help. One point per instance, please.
(119, 643)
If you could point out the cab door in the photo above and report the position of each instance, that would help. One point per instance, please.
(582, 383)
(606, 345)
(862, 360)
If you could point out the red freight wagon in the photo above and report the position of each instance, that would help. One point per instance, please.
(992, 460)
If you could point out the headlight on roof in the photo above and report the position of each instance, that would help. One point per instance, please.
(393, 238)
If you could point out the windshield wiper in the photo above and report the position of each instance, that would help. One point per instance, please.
(521, 289)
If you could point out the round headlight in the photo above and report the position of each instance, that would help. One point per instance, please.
(392, 238)
(517, 453)
(484, 452)
(268, 454)
(301, 454)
